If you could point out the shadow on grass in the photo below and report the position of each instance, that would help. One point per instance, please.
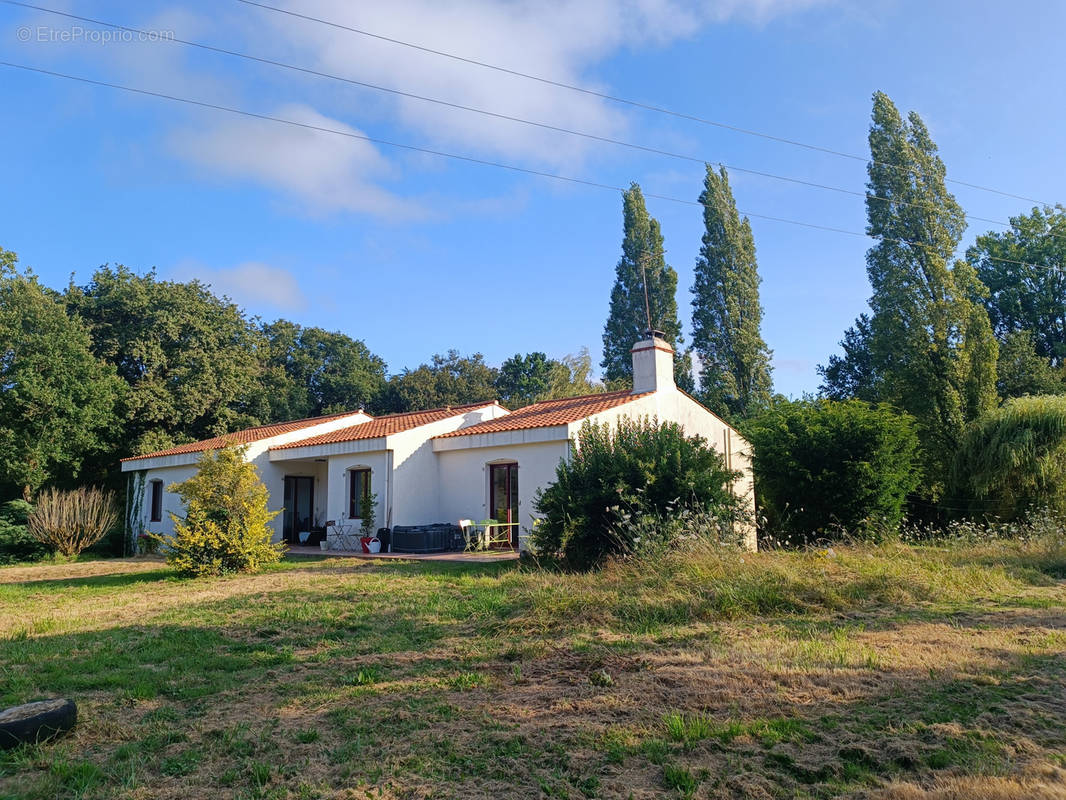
(113, 580)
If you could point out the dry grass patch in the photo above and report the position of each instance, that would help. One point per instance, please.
(874, 670)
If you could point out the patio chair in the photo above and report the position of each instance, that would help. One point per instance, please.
(470, 534)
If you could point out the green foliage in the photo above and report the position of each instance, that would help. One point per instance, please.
(642, 247)
(534, 377)
(1022, 371)
(639, 469)
(450, 380)
(189, 358)
(726, 313)
(525, 379)
(225, 526)
(1013, 460)
(57, 402)
(16, 543)
(823, 467)
(571, 376)
(368, 509)
(1026, 286)
(930, 346)
(852, 376)
(310, 371)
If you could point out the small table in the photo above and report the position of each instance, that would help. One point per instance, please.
(343, 532)
(489, 529)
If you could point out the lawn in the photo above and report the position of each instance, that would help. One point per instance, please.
(896, 672)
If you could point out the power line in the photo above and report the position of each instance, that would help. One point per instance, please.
(471, 159)
(622, 100)
(496, 115)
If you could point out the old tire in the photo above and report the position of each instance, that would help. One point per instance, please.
(36, 722)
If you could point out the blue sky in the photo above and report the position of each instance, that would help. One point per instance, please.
(415, 254)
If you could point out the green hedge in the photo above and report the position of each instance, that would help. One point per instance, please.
(824, 467)
(16, 544)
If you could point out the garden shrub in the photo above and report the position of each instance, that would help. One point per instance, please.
(69, 521)
(225, 525)
(620, 483)
(16, 544)
(1012, 460)
(823, 468)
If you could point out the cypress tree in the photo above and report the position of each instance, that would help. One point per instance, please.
(726, 314)
(931, 343)
(642, 251)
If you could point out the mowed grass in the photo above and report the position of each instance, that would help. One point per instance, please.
(896, 671)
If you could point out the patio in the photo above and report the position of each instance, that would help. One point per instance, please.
(479, 557)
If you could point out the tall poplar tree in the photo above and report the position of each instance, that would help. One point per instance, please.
(726, 313)
(930, 341)
(642, 251)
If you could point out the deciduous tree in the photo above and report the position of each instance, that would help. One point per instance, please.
(642, 253)
(930, 344)
(312, 371)
(57, 401)
(1024, 269)
(525, 379)
(726, 312)
(449, 380)
(189, 358)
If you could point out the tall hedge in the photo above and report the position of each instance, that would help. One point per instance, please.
(1012, 459)
(823, 467)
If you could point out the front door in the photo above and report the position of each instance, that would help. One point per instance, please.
(503, 496)
(299, 507)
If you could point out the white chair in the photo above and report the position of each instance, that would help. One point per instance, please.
(470, 534)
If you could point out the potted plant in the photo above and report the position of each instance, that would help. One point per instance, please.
(371, 543)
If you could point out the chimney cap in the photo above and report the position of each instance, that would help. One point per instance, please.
(651, 333)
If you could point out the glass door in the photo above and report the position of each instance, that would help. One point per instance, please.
(503, 496)
(299, 507)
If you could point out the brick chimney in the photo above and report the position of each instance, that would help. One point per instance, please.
(653, 363)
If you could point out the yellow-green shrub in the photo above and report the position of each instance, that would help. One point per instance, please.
(225, 526)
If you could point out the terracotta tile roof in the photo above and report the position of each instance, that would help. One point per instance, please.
(549, 413)
(382, 426)
(242, 437)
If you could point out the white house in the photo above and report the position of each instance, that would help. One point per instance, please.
(478, 461)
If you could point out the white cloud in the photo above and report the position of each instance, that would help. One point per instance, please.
(561, 40)
(251, 284)
(326, 171)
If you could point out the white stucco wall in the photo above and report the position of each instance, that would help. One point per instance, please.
(171, 501)
(404, 470)
(338, 485)
(464, 477)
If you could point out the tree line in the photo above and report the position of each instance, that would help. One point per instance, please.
(130, 363)
(946, 341)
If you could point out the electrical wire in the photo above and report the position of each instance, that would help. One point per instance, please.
(493, 114)
(621, 100)
(475, 160)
